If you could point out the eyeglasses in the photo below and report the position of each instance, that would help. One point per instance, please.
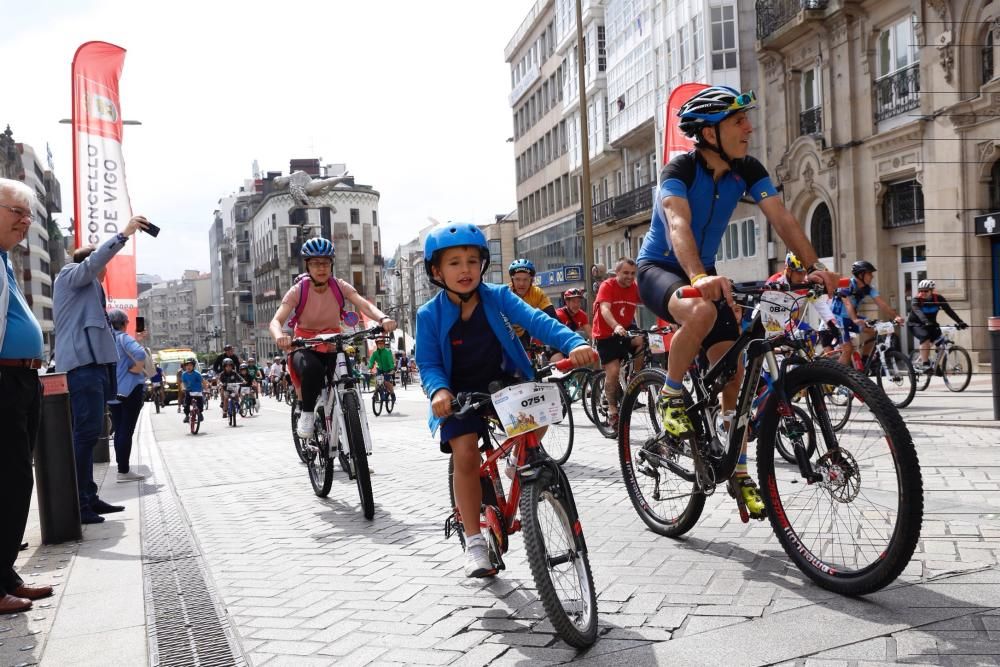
(19, 212)
(743, 100)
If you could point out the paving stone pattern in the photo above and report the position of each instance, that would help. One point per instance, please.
(309, 581)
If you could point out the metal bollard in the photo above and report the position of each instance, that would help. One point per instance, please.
(993, 326)
(55, 464)
(102, 452)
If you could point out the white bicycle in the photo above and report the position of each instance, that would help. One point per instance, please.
(340, 418)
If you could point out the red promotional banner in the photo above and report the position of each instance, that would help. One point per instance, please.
(674, 141)
(102, 207)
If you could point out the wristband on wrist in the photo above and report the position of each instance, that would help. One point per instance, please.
(698, 277)
(121, 238)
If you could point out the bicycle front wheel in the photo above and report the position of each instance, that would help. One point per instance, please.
(586, 393)
(897, 379)
(377, 402)
(853, 528)
(195, 421)
(599, 406)
(359, 457)
(560, 568)
(658, 470)
(956, 368)
(559, 438)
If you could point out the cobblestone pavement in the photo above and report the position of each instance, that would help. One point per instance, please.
(309, 581)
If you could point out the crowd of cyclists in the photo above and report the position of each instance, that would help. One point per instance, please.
(474, 333)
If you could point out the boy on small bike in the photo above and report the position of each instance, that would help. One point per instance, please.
(191, 381)
(227, 377)
(465, 341)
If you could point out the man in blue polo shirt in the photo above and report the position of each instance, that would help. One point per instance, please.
(698, 193)
(20, 399)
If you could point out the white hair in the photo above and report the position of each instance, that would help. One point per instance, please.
(18, 190)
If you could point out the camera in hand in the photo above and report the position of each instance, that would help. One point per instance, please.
(151, 229)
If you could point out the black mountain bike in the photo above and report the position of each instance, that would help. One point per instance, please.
(848, 515)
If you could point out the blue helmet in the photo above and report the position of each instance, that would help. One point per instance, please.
(454, 236)
(519, 265)
(711, 106)
(317, 247)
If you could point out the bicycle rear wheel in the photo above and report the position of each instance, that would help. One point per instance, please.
(559, 566)
(390, 403)
(296, 440)
(319, 462)
(658, 470)
(897, 379)
(559, 437)
(359, 457)
(956, 368)
(923, 378)
(854, 528)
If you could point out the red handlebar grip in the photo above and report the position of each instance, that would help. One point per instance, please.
(844, 282)
(564, 365)
(688, 292)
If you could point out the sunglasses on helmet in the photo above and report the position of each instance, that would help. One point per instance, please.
(743, 100)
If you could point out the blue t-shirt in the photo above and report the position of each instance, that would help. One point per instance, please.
(712, 204)
(855, 293)
(476, 355)
(191, 381)
(158, 377)
(23, 336)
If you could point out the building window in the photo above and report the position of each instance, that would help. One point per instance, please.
(696, 38)
(811, 116)
(355, 216)
(602, 54)
(723, 38)
(749, 237)
(897, 86)
(374, 218)
(995, 187)
(682, 47)
(987, 57)
(903, 205)
(821, 231)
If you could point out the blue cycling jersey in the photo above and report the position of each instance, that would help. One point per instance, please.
(712, 204)
(856, 292)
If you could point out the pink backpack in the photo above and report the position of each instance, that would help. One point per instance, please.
(304, 295)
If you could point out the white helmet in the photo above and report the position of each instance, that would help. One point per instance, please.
(926, 284)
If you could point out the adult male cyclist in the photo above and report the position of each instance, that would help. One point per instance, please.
(386, 365)
(227, 353)
(922, 320)
(846, 308)
(698, 193)
(522, 276)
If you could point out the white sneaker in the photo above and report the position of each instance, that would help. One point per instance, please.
(304, 427)
(130, 476)
(477, 559)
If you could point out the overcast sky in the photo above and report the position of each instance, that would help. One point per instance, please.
(411, 96)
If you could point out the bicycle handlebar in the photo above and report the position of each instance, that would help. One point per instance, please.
(320, 339)
(758, 288)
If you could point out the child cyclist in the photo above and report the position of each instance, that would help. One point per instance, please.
(191, 381)
(465, 340)
(227, 377)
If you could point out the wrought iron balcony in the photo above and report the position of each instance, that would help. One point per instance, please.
(604, 211)
(897, 93)
(811, 121)
(773, 14)
(634, 201)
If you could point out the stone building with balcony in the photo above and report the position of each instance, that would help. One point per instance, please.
(175, 312)
(881, 126)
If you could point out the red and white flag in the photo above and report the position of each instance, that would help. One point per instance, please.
(676, 142)
(102, 207)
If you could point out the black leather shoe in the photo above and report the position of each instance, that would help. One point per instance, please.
(89, 516)
(24, 545)
(101, 507)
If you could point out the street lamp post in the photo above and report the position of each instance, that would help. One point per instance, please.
(402, 307)
(588, 214)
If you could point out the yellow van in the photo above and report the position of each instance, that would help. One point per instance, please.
(170, 360)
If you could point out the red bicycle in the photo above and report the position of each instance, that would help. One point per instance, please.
(553, 535)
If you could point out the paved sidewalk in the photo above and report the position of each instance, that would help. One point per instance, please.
(269, 574)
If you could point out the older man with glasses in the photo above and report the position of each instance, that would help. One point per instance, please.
(21, 353)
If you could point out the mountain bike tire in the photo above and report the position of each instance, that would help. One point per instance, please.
(878, 524)
(359, 457)
(561, 569)
(648, 463)
(897, 379)
(956, 368)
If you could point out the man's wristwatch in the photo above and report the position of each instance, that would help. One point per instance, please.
(817, 266)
